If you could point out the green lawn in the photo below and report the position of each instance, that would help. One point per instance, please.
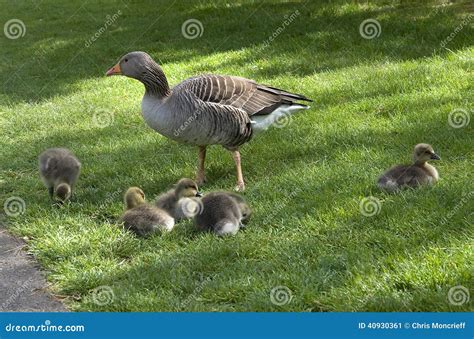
(374, 99)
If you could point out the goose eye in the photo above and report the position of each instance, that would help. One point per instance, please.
(126, 60)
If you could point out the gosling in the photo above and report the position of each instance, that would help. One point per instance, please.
(222, 213)
(417, 174)
(173, 200)
(141, 218)
(59, 171)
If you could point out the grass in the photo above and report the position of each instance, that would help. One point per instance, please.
(374, 100)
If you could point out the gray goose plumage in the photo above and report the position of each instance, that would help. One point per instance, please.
(419, 173)
(207, 109)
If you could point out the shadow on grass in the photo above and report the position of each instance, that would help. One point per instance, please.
(52, 57)
(330, 45)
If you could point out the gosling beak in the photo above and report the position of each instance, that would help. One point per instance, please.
(198, 194)
(114, 70)
(435, 156)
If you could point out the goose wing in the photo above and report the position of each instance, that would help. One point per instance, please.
(241, 93)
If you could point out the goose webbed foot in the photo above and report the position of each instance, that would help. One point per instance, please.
(240, 186)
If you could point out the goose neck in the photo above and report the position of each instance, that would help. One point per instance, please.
(155, 81)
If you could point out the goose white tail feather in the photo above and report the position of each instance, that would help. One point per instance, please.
(279, 117)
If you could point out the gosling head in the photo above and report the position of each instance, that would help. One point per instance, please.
(63, 192)
(246, 212)
(187, 188)
(424, 152)
(133, 197)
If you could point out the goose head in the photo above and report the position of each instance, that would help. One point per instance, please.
(133, 65)
(140, 66)
(134, 197)
(187, 188)
(424, 152)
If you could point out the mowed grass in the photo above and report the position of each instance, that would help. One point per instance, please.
(374, 99)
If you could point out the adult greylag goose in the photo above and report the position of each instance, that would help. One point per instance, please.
(419, 173)
(207, 109)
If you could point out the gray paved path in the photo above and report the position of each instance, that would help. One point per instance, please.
(22, 284)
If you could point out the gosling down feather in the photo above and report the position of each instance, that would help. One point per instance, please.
(207, 109)
(417, 174)
(223, 213)
(173, 200)
(59, 171)
(141, 218)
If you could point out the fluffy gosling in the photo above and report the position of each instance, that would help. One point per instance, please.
(170, 201)
(141, 218)
(222, 213)
(59, 171)
(419, 173)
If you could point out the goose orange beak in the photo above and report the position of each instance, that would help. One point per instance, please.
(114, 70)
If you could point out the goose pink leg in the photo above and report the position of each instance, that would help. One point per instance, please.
(201, 177)
(240, 178)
